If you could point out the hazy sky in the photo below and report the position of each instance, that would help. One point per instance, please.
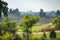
(34, 5)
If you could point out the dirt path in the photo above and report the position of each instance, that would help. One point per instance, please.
(34, 32)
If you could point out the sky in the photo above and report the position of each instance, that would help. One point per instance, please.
(34, 5)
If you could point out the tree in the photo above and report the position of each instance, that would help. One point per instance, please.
(0, 7)
(56, 22)
(10, 24)
(42, 13)
(7, 25)
(27, 23)
(58, 13)
(3, 8)
(3, 27)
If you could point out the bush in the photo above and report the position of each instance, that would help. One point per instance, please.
(7, 36)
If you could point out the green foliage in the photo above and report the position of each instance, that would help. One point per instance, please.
(0, 7)
(27, 23)
(29, 20)
(56, 22)
(38, 36)
(12, 26)
(6, 20)
(7, 36)
(3, 26)
(38, 28)
(8, 25)
(4, 8)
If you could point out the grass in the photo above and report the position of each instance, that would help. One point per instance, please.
(39, 36)
(38, 27)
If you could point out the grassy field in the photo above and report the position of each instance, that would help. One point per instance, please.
(39, 36)
(38, 28)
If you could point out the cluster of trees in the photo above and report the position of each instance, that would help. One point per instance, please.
(43, 14)
(7, 29)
